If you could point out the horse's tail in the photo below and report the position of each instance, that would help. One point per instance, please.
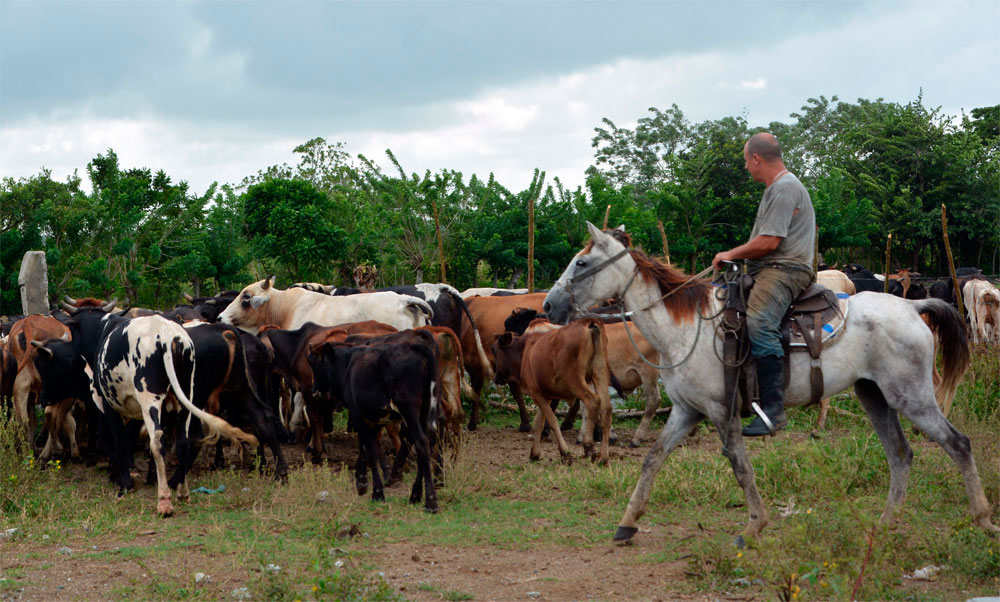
(949, 330)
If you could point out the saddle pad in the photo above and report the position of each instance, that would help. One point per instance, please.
(834, 323)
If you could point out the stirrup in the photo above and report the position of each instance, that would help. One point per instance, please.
(763, 416)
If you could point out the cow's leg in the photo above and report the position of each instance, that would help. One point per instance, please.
(361, 470)
(69, 427)
(185, 453)
(316, 421)
(399, 464)
(525, 425)
(682, 419)
(123, 438)
(824, 409)
(262, 419)
(367, 440)
(423, 486)
(23, 405)
(476, 380)
(570, 419)
(151, 418)
(53, 424)
(545, 410)
(590, 406)
(651, 392)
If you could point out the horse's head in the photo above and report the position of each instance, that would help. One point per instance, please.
(596, 273)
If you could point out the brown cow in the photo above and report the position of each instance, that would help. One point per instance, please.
(28, 383)
(568, 363)
(489, 314)
(628, 370)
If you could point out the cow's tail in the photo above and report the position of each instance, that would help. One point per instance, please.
(951, 336)
(214, 425)
(488, 372)
(600, 373)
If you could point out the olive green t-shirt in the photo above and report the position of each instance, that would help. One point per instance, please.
(777, 216)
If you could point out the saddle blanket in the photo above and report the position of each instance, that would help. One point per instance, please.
(834, 323)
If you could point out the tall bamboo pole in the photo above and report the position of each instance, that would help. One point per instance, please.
(607, 214)
(663, 236)
(531, 244)
(951, 263)
(437, 230)
(888, 254)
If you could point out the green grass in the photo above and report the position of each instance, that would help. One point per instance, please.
(835, 487)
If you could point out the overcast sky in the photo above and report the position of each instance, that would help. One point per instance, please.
(212, 91)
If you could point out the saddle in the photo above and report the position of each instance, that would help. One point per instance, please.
(815, 317)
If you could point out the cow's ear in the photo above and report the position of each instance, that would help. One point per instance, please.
(506, 339)
(621, 228)
(258, 301)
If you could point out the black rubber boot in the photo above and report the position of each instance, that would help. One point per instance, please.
(771, 378)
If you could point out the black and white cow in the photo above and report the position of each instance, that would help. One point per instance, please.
(140, 368)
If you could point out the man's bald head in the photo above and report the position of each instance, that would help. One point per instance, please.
(765, 146)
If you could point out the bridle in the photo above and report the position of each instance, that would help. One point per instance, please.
(581, 311)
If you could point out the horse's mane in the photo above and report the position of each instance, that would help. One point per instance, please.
(681, 304)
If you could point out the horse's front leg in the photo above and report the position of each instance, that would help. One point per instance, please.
(682, 419)
(743, 470)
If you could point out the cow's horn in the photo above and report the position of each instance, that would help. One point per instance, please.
(70, 300)
(267, 282)
(70, 309)
(210, 302)
(188, 297)
(109, 305)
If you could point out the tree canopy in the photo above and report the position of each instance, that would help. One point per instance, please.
(872, 167)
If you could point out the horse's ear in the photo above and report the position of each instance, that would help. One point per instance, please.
(596, 235)
(621, 228)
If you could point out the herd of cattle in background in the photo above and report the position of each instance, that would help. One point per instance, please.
(264, 366)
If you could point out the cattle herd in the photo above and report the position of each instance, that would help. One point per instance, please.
(263, 366)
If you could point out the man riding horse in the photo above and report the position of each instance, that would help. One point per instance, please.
(780, 251)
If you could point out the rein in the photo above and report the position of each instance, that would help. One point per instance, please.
(621, 304)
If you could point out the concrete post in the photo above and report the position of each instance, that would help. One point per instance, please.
(33, 280)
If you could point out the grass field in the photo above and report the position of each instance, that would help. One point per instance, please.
(512, 529)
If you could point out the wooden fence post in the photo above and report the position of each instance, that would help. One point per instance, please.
(663, 236)
(437, 230)
(951, 263)
(607, 214)
(888, 256)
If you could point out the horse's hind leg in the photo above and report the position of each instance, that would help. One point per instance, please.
(927, 417)
(682, 419)
(885, 420)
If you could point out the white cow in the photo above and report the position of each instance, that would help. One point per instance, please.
(982, 303)
(260, 303)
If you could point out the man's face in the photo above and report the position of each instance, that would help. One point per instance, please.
(752, 163)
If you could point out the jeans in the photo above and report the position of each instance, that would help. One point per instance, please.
(773, 291)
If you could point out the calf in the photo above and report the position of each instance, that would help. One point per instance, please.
(628, 370)
(291, 362)
(377, 383)
(568, 363)
(982, 303)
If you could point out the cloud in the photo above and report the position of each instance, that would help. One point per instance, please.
(542, 115)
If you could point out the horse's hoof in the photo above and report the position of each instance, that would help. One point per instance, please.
(739, 542)
(524, 428)
(625, 534)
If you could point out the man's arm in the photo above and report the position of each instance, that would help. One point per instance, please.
(758, 246)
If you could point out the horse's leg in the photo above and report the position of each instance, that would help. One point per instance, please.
(682, 419)
(739, 459)
(885, 420)
(922, 410)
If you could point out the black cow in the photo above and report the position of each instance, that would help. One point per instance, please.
(224, 384)
(380, 384)
(206, 309)
(863, 278)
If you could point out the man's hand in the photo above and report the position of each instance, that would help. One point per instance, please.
(720, 257)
